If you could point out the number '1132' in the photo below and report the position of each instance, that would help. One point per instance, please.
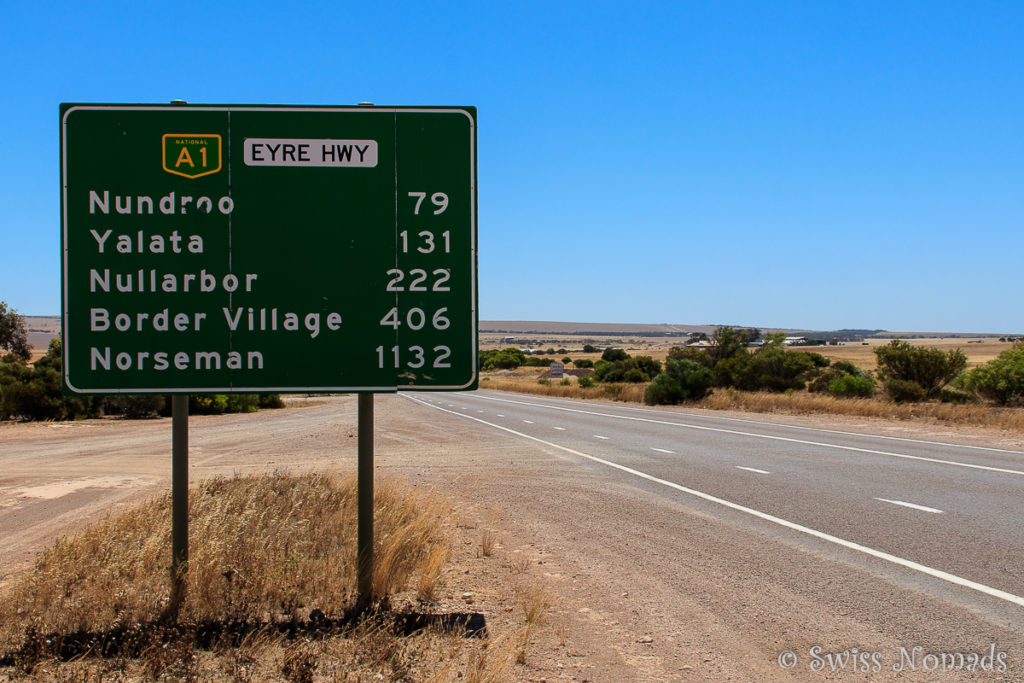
(418, 357)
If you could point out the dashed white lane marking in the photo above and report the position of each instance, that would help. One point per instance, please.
(769, 437)
(561, 429)
(662, 450)
(752, 469)
(821, 535)
(598, 436)
(500, 415)
(915, 506)
(529, 422)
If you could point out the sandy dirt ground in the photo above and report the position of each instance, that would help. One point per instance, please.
(673, 595)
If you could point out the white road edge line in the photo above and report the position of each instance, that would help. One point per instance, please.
(802, 428)
(764, 436)
(752, 469)
(662, 450)
(915, 506)
(909, 564)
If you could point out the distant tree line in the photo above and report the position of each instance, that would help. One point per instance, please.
(905, 371)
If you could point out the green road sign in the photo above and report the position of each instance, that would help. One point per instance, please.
(264, 248)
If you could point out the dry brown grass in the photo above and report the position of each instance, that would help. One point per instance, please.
(796, 403)
(272, 566)
(802, 403)
(633, 393)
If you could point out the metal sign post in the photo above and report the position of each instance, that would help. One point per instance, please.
(252, 248)
(179, 502)
(364, 556)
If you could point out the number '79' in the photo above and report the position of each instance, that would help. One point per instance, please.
(438, 199)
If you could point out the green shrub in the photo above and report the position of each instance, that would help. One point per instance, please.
(271, 401)
(243, 403)
(207, 404)
(545, 382)
(850, 386)
(35, 393)
(772, 368)
(665, 389)
(691, 353)
(612, 355)
(607, 371)
(565, 382)
(538, 362)
(954, 396)
(503, 359)
(823, 381)
(586, 382)
(646, 365)
(583, 363)
(1000, 380)
(635, 376)
(930, 369)
(134, 406)
(682, 380)
(904, 390)
(566, 360)
(817, 359)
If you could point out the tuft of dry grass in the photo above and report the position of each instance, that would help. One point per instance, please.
(431, 572)
(535, 602)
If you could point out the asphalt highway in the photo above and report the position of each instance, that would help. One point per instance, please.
(938, 518)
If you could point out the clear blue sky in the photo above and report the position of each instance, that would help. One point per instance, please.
(811, 165)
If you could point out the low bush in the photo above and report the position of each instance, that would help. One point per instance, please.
(34, 393)
(700, 356)
(954, 396)
(271, 401)
(586, 382)
(134, 406)
(1000, 380)
(904, 390)
(613, 354)
(929, 369)
(503, 359)
(682, 380)
(852, 386)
